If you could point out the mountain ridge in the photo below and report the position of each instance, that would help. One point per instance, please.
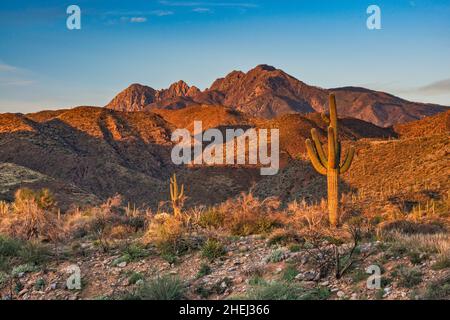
(268, 92)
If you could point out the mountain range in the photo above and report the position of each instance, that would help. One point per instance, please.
(87, 154)
(267, 92)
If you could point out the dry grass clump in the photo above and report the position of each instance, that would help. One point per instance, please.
(32, 215)
(284, 236)
(247, 215)
(107, 222)
(166, 232)
(308, 216)
(410, 227)
(438, 243)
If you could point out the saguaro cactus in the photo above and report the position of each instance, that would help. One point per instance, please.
(330, 164)
(176, 196)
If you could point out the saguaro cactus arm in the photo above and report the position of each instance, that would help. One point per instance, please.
(334, 119)
(319, 148)
(317, 164)
(348, 161)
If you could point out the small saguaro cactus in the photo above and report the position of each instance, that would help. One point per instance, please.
(176, 196)
(330, 164)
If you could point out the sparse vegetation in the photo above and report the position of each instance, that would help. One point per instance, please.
(161, 288)
(213, 249)
(408, 277)
(438, 290)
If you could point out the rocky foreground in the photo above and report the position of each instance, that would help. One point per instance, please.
(250, 267)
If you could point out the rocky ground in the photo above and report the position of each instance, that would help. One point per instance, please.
(245, 265)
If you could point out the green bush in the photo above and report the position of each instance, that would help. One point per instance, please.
(213, 249)
(204, 270)
(135, 277)
(277, 255)
(161, 288)
(438, 290)
(289, 273)
(286, 291)
(442, 262)
(408, 277)
(9, 247)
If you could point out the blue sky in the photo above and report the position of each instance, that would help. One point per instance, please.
(43, 65)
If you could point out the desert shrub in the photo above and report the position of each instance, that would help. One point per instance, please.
(39, 284)
(284, 237)
(411, 227)
(281, 290)
(5, 209)
(438, 290)
(4, 278)
(9, 247)
(203, 291)
(277, 255)
(167, 233)
(204, 270)
(220, 286)
(134, 277)
(34, 253)
(289, 273)
(408, 277)
(307, 216)
(256, 270)
(421, 246)
(43, 198)
(416, 257)
(104, 223)
(132, 252)
(247, 215)
(213, 249)
(33, 216)
(23, 268)
(161, 288)
(120, 232)
(19, 252)
(211, 218)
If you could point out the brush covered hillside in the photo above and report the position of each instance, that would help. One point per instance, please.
(101, 152)
(267, 92)
(90, 186)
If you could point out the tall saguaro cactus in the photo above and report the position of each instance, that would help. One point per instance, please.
(330, 164)
(176, 196)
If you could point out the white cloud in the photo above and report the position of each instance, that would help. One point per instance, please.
(208, 4)
(138, 19)
(202, 10)
(162, 13)
(7, 68)
(438, 87)
(13, 76)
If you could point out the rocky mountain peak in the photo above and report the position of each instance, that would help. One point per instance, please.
(133, 98)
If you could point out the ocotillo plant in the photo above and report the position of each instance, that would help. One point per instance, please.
(176, 196)
(330, 165)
